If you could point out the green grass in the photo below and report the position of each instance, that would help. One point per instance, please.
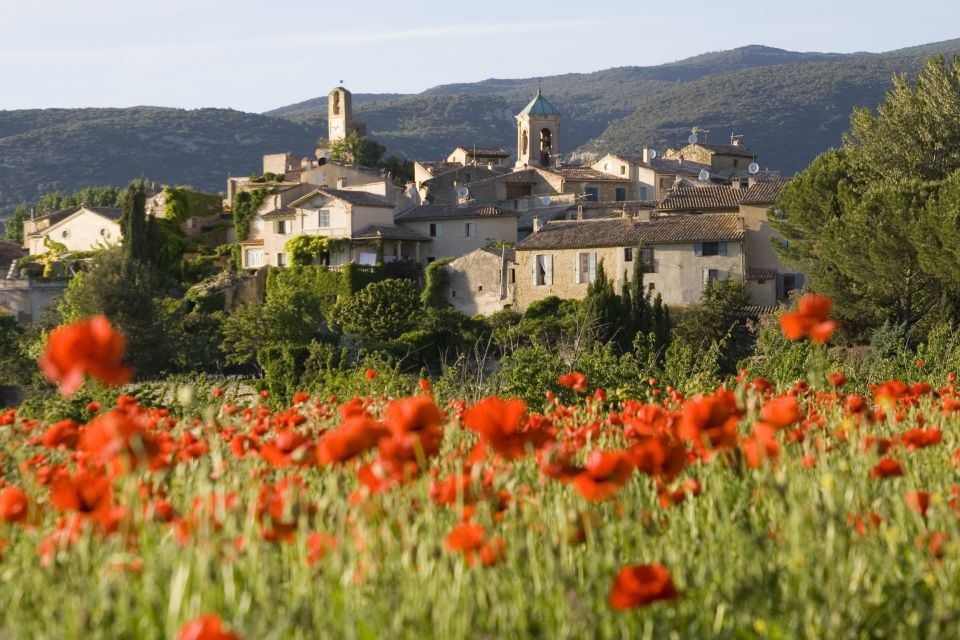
(759, 553)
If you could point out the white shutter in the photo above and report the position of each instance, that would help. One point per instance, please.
(721, 248)
(439, 229)
(548, 267)
(593, 266)
(533, 269)
(698, 248)
(576, 268)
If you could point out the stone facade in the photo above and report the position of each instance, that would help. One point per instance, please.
(79, 229)
(481, 282)
(538, 133)
(452, 237)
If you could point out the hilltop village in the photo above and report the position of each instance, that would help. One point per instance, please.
(511, 228)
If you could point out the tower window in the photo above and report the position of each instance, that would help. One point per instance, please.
(336, 103)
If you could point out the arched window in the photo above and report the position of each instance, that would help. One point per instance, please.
(336, 103)
(523, 142)
(546, 139)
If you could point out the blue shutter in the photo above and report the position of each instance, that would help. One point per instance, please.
(799, 280)
(721, 248)
(698, 248)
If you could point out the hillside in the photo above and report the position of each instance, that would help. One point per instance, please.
(66, 149)
(788, 105)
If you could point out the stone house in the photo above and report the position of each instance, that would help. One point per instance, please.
(482, 281)
(538, 133)
(484, 156)
(362, 222)
(714, 199)
(80, 228)
(719, 157)
(768, 280)
(455, 231)
(679, 254)
(650, 176)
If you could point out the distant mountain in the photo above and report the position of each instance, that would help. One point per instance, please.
(788, 105)
(66, 149)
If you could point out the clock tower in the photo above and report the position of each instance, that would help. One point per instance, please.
(339, 114)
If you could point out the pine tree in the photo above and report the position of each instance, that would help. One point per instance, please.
(13, 229)
(133, 224)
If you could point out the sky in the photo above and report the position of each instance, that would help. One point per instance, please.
(259, 55)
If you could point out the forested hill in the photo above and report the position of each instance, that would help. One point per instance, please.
(48, 150)
(788, 105)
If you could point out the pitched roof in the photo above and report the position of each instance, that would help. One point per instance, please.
(577, 172)
(701, 199)
(539, 107)
(61, 215)
(279, 214)
(388, 232)
(728, 150)
(439, 167)
(493, 152)
(509, 254)
(665, 165)
(764, 191)
(360, 198)
(439, 212)
(620, 232)
(761, 273)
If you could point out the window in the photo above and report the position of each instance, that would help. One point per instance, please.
(710, 248)
(620, 194)
(431, 259)
(453, 294)
(623, 169)
(647, 262)
(480, 288)
(281, 259)
(789, 282)
(710, 275)
(628, 254)
(66, 233)
(283, 227)
(106, 234)
(470, 230)
(542, 269)
(642, 193)
(606, 166)
(585, 267)
(592, 193)
(254, 258)
(736, 163)
(323, 218)
(651, 287)
(512, 276)
(436, 229)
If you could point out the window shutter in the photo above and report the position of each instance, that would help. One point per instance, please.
(779, 280)
(593, 266)
(576, 268)
(548, 267)
(799, 280)
(721, 248)
(533, 269)
(698, 248)
(439, 229)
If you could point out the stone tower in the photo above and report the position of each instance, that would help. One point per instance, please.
(339, 114)
(538, 133)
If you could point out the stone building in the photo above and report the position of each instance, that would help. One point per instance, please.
(492, 156)
(340, 120)
(482, 281)
(679, 255)
(719, 157)
(455, 230)
(77, 228)
(538, 133)
(768, 281)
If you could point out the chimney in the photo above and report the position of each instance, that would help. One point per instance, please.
(341, 183)
(579, 212)
(643, 215)
(536, 223)
(646, 155)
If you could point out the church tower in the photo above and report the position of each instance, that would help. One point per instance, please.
(339, 114)
(538, 133)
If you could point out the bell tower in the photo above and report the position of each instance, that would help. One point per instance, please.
(538, 133)
(339, 114)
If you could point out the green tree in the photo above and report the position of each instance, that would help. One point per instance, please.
(133, 223)
(13, 226)
(718, 323)
(602, 308)
(358, 149)
(380, 311)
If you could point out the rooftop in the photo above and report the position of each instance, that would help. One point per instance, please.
(58, 216)
(621, 232)
(764, 192)
(388, 232)
(359, 198)
(581, 173)
(701, 199)
(539, 107)
(490, 152)
(439, 211)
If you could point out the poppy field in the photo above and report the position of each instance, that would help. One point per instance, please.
(808, 512)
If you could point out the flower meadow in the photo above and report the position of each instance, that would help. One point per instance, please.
(812, 511)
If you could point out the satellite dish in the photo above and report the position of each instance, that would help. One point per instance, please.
(653, 154)
(753, 168)
(692, 139)
(704, 175)
(545, 200)
(463, 192)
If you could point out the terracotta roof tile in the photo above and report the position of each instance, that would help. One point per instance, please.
(619, 232)
(388, 232)
(576, 172)
(701, 199)
(764, 192)
(438, 212)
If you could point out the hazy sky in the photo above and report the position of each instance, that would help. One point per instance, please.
(257, 55)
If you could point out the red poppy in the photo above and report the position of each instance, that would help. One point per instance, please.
(502, 425)
(65, 432)
(811, 320)
(206, 627)
(886, 468)
(603, 473)
(119, 436)
(782, 412)
(318, 545)
(710, 422)
(14, 504)
(88, 347)
(920, 438)
(760, 445)
(574, 380)
(918, 501)
(415, 428)
(662, 458)
(371, 374)
(350, 439)
(641, 585)
(300, 397)
(837, 379)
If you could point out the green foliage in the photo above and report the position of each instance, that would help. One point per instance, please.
(380, 311)
(436, 283)
(90, 196)
(16, 366)
(184, 203)
(717, 324)
(358, 149)
(400, 169)
(245, 206)
(304, 249)
(13, 225)
(602, 309)
(133, 224)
